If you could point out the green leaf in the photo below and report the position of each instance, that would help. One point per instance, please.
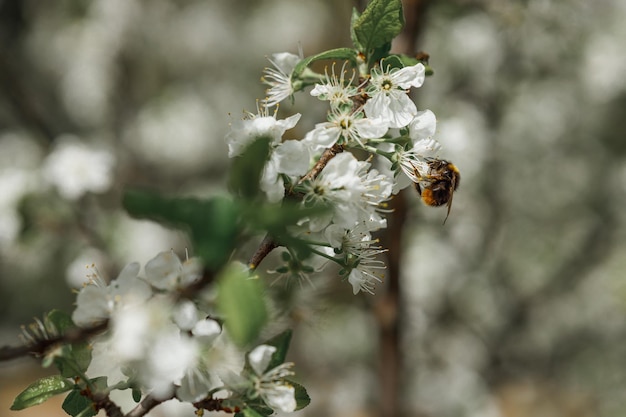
(401, 61)
(379, 23)
(213, 224)
(302, 397)
(40, 390)
(61, 320)
(136, 395)
(249, 412)
(340, 54)
(77, 405)
(247, 168)
(65, 363)
(240, 301)
(277, 219)
(70, 359)
(281, 343)
(353, 19)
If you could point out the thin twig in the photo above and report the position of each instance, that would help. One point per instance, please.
(328, 154)
(268, 244)
(106, 404)
(145, 406)
(39, 348)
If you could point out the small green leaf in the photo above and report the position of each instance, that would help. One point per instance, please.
(339, 54)
(249, 412)
(70, 360)
(281, 343)
(60, 320)
(82, 354)
(379, 23)
(65, 363)
(353, 19)
(401, 61)
(136, 395)
(247, 168)
(240, 301)
(77, 405)
(40, 390)
(277, 219)
(302, 397)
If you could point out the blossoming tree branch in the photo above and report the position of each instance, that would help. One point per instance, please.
(175, 331)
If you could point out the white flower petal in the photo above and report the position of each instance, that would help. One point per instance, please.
(164, 270)
(423, 125)
(400, 111)
(408, 77)
(371, 128)
(260, 358)
(186, 315)
(292, 158)
(281, 398)
(285, 61)
(207, 330)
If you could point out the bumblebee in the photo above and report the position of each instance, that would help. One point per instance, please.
(439, 184)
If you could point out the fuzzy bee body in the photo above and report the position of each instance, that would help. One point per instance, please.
(438, 185)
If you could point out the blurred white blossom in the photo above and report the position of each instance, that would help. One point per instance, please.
(76, 168)
(97, 300)
(165, 271)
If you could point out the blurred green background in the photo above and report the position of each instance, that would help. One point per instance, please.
(516, 307)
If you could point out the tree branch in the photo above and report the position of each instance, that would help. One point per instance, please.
(145, 406)
(40, 347)
(268, 244)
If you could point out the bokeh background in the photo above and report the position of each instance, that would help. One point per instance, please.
(516, 307)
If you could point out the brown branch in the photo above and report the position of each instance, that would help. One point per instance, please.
(268, 244)
(328, 154)
(145, 406)
(40, 347)
(106, 404)
(215, 404)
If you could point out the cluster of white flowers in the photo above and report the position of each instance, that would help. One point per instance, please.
(166, 345)
(376, 116)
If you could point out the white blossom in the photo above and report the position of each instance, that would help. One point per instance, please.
(75, 168)
(388, 98)
(15, 184)
(256, 126)
(97, 301)
(168, 360)
(359, 252)
(165, 271)
(290, 158)
(414, 161)
(279, 77)
(423, 126)
(350, 126)
(336, 89)
(270, 384)
(353, 190)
